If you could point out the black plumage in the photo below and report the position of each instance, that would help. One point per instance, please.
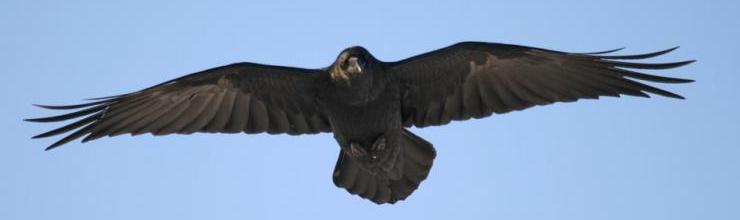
(366, 103)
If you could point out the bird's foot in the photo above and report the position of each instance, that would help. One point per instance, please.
(357, 151)
(377, 148)
(379, 144)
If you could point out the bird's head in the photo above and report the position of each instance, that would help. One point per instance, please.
(352, 63)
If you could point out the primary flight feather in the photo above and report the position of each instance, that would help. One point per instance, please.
(366, 103)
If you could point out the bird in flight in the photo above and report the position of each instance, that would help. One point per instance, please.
(366, 103)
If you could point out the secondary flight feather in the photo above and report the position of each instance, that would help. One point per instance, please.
(366, 103)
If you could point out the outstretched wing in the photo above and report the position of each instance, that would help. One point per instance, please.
(241, 97)
(475, 79)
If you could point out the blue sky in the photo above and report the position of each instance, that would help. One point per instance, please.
(627, 158)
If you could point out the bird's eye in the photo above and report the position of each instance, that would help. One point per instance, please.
(344, 64)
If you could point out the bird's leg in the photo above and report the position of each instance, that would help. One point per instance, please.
(379, 144)
(356, 150)
(377, 147)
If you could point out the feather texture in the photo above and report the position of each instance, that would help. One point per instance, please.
(233, 98)
(509, 78)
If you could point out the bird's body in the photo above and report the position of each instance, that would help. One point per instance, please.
(377, 117)
(365, 115)
(366, 103)
(371, 100)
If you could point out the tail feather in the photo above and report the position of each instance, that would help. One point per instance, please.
(413, 167)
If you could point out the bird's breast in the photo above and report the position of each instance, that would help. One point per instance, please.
(367, 120)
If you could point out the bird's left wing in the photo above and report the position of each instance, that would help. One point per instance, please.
(241, 97)
(475, 79)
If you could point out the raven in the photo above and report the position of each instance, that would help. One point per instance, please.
(366, 103)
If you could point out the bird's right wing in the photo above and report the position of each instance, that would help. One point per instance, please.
(476, 79)
(241, 97)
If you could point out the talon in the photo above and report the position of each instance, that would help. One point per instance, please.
(379, 144)
(356, 150)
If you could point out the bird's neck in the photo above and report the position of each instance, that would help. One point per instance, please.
(358, 90)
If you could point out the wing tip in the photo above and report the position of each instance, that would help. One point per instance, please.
(67, 107)
(39, 136)
(103, 98)
(56, 144)
(649, 66)
(32, 119)
(690, 61)
(604, 52)
(682, 80)
(672, 95)
(51, 147)
(45, 106)
(634, 56)
(42, 120)
(667, 50)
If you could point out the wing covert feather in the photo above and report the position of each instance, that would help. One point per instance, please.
(475, 79)
(241, 97)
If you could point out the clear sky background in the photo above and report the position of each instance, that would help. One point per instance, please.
(626, 158)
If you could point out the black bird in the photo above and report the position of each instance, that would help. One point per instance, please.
(366, 103)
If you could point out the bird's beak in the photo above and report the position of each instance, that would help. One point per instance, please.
(353, 62)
